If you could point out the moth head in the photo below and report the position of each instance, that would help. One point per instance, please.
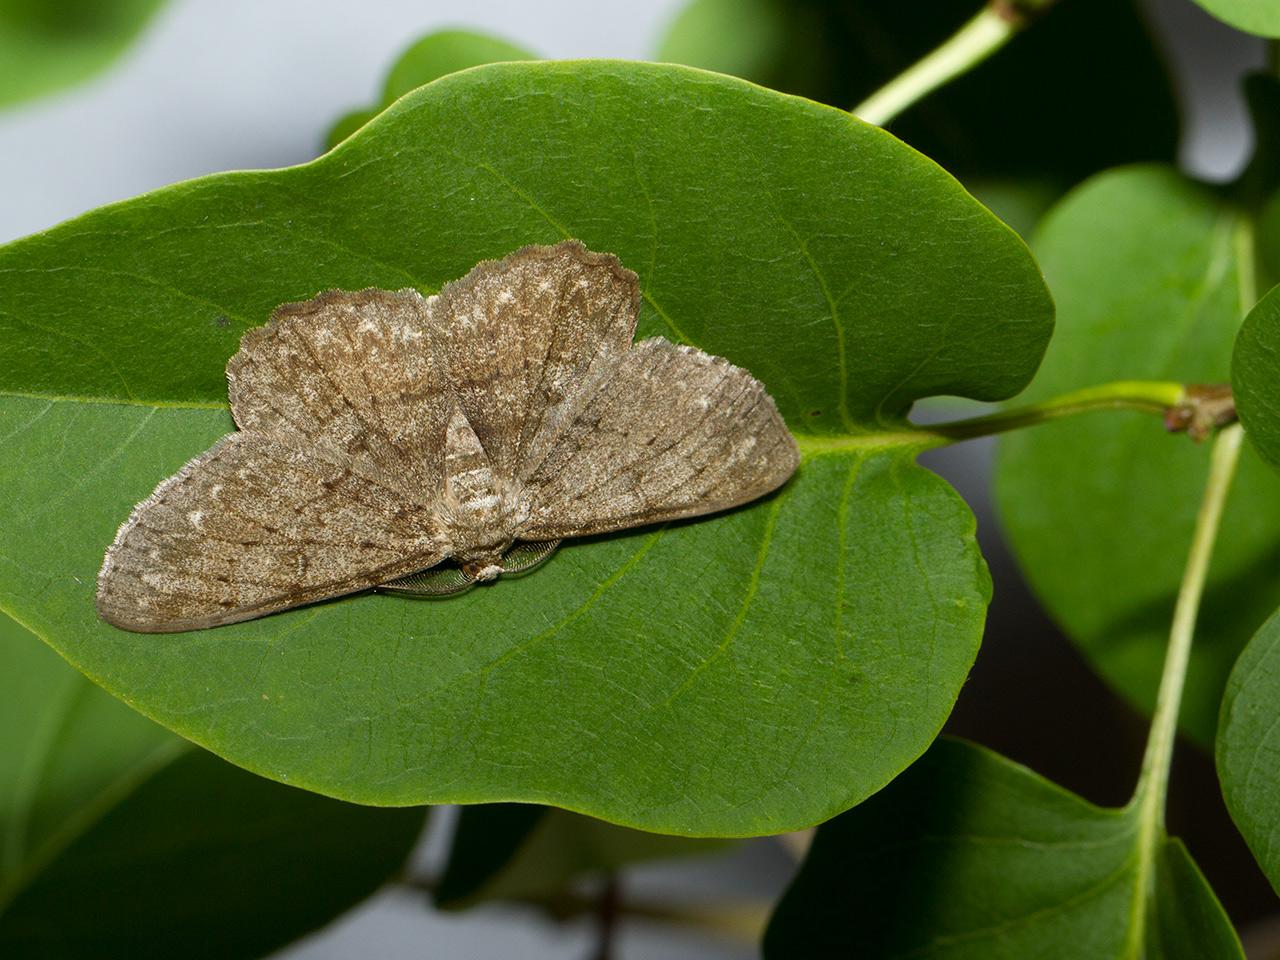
(481, 571)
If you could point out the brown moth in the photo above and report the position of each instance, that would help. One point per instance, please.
(381, 434)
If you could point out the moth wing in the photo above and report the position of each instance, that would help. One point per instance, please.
(350, 374)
(253, 526)
(517, 335)
(669, 432)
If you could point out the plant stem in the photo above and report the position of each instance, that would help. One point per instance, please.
(1149, 796)
(1153, 782)
(1151, 396)
(742, 920)
(982, 36)
(607, 910)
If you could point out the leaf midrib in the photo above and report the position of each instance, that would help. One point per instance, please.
(811, 444)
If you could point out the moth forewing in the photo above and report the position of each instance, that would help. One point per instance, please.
(382, 433)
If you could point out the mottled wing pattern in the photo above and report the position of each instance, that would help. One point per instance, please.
(516, 336)
(350, 373)
(382, 432)
(253, 526)
(672, 432)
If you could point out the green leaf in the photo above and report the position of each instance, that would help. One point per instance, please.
(846, 271)
(118, 840)
(839, 51)
(1253, 16)
(515, 851)
(1248, 748)
(1255, 366)
(484, 842)
(68, 751)
(743, 38)
(968, 854)
(46, 46)
(1249, 735)
(430, 58)
(1146, 271)
(1020, 203)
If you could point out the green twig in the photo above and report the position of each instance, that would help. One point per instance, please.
(1150, 396)
(980, 37)
(1184, 407)
(1153, 783)
(740, 920)
(1154, 780)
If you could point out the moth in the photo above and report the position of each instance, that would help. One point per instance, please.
(424, 444)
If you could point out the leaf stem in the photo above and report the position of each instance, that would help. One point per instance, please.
(1153, 782)
(1151, 396)
(1149, 796)
(1196, 410)
(980, 37)
(1160, 397)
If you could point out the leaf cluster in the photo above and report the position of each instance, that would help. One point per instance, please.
(786, 664)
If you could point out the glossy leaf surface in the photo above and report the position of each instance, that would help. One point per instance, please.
(841, 615)
(968, 855)
(1255, 377)
(1248, 746)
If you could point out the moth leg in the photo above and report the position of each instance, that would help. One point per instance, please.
(525, 557)
(446, 580)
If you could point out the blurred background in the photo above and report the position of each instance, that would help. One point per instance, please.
(246, 84)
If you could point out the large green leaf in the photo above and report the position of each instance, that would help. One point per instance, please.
(840, 616)
(117, 840)
(1248, 749)
(839, 51)
(46, 45)
(520, 851)
(1253, 16)
(430, 58)
(1145, 268)
(969, 855)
